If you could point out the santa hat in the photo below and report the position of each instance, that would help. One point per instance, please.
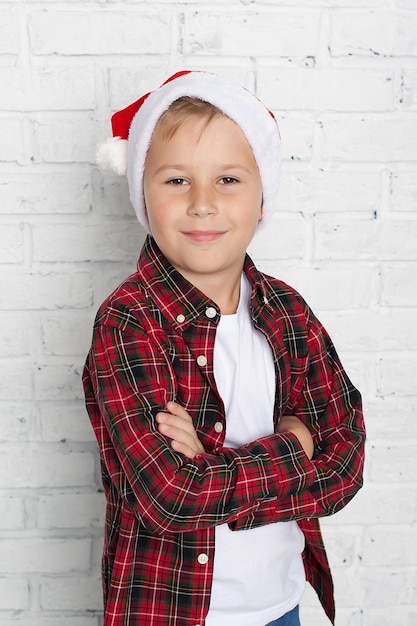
(125, 152)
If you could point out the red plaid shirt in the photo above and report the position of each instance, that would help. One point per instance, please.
(153, 341)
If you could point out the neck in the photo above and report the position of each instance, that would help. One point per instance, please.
(223, 290)
(227, 299)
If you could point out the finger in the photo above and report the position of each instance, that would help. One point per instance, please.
(176, 428)
(177, 409)
(181, 432)
(181, 440)
(175, 421)
(187, 451)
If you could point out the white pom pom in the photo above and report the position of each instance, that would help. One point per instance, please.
(112, 154)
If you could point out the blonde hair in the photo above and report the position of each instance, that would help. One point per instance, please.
(185, 108)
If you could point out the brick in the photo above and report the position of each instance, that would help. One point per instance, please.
(46, 291)
(10, 33)
(343, 548)
(127, 84)
(411, 617)
(64, 421)
(390, 417)
(65, 140)
(408, 98)
(12, 518)
(345, 617)
(390, 463)
(65, 593)
(373, 33)
(387, 616)
(40, 619)
(16, 421)
(371, 506)
(49, 88)
(321, 286)
(295, 33)
(365, 239)
(59, 381)
(287, 240)
(15, 341)
(11, 145)
(327, 3)
(297, 137)
(396, 545)
(30, 467)
(363, 587)
(111, 195)
(65, 335)
(329, 191)
(377, 139)
(14, 594)
(43, 192)
(16, 380)
(403, 191)
(378, 330)
(100, 32)
(399, 285)
(333, 89)
(12, 248)
(33, 555)
(107, 241)
(406, 4)
(71, 510)
(398, 374)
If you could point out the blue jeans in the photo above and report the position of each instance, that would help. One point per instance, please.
(289, 619)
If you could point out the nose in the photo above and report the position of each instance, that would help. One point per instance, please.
(202, 200)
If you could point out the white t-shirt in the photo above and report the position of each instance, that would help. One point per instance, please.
(258, 573)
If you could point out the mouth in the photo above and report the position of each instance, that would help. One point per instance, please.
(204, 236)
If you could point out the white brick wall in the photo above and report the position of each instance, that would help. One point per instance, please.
(341, 75)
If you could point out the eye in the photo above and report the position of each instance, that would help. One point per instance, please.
(176, 182)
(228, 180)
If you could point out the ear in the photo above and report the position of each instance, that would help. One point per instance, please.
(261, 211)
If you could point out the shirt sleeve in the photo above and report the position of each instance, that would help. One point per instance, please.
(327, 402)
(127, 380)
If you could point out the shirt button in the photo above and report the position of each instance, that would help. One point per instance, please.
(180, 318)
(201, 360)
(218, 427)
(211, 312)
(202, 558)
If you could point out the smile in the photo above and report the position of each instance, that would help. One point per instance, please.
(204, 236)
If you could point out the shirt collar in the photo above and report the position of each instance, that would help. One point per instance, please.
(180, 301)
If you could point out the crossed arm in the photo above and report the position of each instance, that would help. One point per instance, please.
(177, 425)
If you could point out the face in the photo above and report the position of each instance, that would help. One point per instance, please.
(203, 197)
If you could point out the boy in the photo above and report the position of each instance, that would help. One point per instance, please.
(225, 421)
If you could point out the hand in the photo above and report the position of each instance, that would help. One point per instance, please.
(300, 430)
(177, 424)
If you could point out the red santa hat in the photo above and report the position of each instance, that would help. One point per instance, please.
(125, 152)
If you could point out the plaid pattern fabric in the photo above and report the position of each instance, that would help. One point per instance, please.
(153, 341)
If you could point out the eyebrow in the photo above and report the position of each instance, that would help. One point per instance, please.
(222, 166)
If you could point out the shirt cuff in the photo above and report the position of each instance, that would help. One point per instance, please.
(291, 470)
